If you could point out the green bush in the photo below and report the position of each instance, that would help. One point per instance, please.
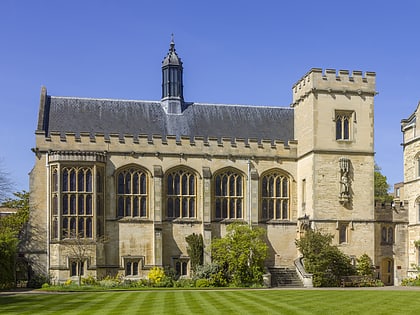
(202, 283)
(111, 282)
(411, 282)
(89, 280)
(213, 273)
(184, 283)
(36, 281)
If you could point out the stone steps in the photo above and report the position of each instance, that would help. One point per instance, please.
(285, 277)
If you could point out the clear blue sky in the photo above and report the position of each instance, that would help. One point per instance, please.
(234, 52)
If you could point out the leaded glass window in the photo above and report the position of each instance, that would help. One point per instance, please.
(275, 196)
(132, 193)
(228, 195)
(181, 194)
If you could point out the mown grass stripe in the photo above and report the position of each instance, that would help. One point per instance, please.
(205, 302)
(215, 302)
(264, 303)
(122, 303)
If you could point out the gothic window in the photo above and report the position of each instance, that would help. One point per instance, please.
(418, 209)
(342, 125)
(418, 165)
(390, 235)
(228, 195)
(275, 196)
(387, 235)
(132, 195)
(75, 266)
(180, 194)
(342, 233)
(181, 267)
(76, 202)
(73, 210)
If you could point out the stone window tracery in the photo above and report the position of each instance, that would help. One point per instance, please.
(132, 193)
(76, 202)
(275, 196)
(343, 125)
(181, 194)
(228, 195)
(75, 208)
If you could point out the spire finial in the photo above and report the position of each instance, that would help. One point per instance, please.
(172, 45)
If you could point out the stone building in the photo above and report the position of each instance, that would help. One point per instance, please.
(143, 175)
(410, 188)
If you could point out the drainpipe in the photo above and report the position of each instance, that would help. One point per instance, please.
(47, 165)
(249, 192)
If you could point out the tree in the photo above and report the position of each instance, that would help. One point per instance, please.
(364, 266)
(6, 185)
(381, 186)
(17, 221)
(241, 253)
(11, 228)
(79, 247)
(195, 250)
(324, 260)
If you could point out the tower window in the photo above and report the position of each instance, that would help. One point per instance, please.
(343, 125)
(342, 233)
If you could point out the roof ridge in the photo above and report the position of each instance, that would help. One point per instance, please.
(102, 99)
(241, 105)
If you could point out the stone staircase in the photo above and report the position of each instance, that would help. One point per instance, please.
(285, 277)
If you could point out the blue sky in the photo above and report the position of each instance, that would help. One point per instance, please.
(234, 52)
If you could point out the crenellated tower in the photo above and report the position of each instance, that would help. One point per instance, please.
(334, 129)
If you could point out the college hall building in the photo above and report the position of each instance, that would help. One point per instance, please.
(130, 179)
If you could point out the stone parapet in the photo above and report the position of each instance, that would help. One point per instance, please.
(330, 81)
(165, 145)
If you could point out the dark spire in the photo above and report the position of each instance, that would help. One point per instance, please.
(172, 86)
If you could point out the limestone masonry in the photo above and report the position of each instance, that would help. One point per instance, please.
(131, 179)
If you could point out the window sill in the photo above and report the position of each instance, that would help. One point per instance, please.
(228, 221)
(133, 220)
(278, 221)
(183, 220)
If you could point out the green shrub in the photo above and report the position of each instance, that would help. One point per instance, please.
(37, 281)
(111, 282)
(202, 283)
(89, 280)
(45, 285)
(68, 282)
(184, 283)
(411, 282)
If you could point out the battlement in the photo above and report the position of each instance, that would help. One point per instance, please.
(152, 144)
(391, 211)
(334, 82)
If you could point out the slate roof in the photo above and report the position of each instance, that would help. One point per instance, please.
(68, 114)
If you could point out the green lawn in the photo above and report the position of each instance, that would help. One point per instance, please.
(215, 302)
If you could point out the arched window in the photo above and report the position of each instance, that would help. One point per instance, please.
(391, 235)
(342, 125)
(132, 193)
(228, 195)
(275, 196)
(76, 202)
(181, 194)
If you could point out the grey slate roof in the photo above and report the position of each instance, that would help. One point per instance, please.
(67, 114)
